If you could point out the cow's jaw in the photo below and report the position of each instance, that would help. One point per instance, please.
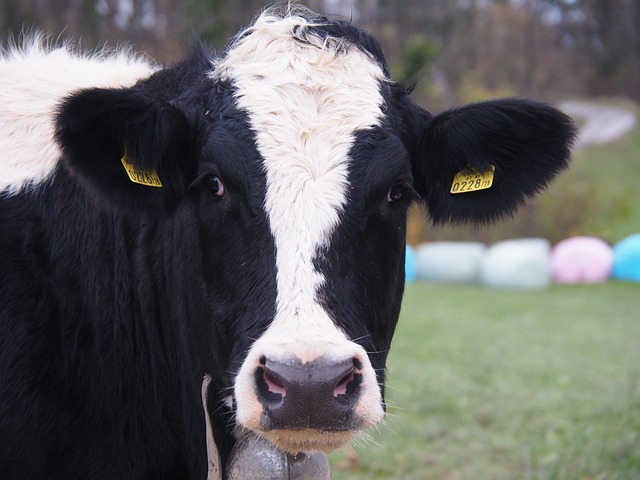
(305, 97)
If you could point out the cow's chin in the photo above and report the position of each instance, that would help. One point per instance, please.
(308, 440)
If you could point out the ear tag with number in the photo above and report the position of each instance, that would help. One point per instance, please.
(143, 176)
(470, 180)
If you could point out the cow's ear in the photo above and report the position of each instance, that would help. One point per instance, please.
(515, 146)
(128, 149)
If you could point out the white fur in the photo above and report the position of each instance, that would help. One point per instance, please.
(34, 79)
(305, 102)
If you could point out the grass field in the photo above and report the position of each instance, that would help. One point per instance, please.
(498, 384)
(599, 194)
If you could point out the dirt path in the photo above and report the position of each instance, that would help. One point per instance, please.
(599, 123)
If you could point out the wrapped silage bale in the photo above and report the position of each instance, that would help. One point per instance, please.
(522, 263)
(626, 259)
(410, 264)
(450, 262)
(581, 260)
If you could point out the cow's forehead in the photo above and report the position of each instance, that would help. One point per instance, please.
(306, 95)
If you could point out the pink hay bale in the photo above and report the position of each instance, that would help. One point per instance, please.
(581, 260)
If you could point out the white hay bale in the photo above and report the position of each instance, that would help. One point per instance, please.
(452, 262)
(522, 263)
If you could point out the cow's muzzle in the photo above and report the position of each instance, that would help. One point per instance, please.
(306, 397)
(319, 395)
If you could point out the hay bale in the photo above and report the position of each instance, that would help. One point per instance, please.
(410, 264)
(450, 262)
(581, 260)
(522, 263)
(626, 259)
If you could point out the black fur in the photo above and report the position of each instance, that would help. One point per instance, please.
(527, 142)
(148, 123)
(117, 299)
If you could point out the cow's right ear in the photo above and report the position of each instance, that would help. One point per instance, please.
(128, 149)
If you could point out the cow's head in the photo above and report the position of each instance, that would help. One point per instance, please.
(295, 157)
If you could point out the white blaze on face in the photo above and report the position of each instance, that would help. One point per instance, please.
(34, 79)
(305, 102)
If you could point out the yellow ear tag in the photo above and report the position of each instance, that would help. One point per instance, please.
(142, 176)
(470, 180)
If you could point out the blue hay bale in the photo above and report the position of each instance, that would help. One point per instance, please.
(410, 265)
(626, 259)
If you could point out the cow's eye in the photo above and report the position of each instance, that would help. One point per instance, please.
(215, 185)
(396, 193)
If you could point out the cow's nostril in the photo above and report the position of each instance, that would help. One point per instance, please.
(347, 389)
(273, 383)
(269, 387)
(341, 387)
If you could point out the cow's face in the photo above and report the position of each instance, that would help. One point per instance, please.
(335, 201)
(298, 159)
(295, 227)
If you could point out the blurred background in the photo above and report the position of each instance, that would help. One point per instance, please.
(465, 48)
(457, 51)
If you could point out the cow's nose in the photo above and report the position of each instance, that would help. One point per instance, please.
(319, 394)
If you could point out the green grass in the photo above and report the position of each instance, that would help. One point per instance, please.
(499, 384)
(599, 195)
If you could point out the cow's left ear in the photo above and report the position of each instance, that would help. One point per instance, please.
(479, 162)
(128, 149)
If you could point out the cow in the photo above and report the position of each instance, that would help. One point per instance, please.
(197, 250)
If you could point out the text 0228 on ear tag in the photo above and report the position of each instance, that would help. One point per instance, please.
(142, 176)
(470, 180)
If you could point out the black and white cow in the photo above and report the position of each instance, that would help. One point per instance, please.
(239, 220)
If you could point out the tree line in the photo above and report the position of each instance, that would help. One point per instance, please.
(456, 50)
